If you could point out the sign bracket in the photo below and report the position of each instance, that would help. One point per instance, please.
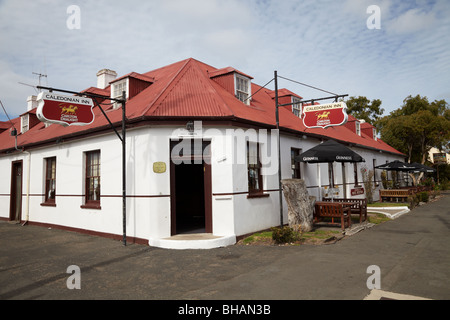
(314, 100)
(122, 138)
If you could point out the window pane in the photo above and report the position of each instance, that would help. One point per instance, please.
(93, 176)
(254, 168)
(51, 189)
(50, 179)
(252, 154)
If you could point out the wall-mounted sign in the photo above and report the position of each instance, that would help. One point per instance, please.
(159, 167)
(439, 158)
(325, 115)
(357, 191)
(64, 110)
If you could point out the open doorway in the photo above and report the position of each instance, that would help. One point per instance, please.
(190, 198)
(190, 186)
(15, 208)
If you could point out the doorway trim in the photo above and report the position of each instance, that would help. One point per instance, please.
(13, 193)
(207, 189)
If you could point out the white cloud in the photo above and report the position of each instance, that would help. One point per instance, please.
(412, 21)
(321, 43)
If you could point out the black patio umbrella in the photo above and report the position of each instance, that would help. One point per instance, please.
(422, 168)
(397, 166)
(329, 151)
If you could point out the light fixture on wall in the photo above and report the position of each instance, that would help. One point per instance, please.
(190, 127)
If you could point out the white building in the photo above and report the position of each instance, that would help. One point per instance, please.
(71, 177)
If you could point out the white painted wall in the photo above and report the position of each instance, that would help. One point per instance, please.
(148, 207)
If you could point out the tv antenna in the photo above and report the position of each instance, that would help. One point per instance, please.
(40, 75)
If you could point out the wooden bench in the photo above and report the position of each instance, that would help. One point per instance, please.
(402, 194)
(357, 206)
(325, 209)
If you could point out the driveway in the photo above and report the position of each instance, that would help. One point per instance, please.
(412, 253)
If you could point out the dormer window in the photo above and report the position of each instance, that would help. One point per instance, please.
(296, 106)
(358, 127)
(374, 134)
(242, 85)
(117, 89)
(24, 123)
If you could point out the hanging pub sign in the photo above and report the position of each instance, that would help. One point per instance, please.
(64, 110)
(325, 115)
(439, 158)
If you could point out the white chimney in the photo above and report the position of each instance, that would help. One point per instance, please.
(31, 103)
(104, 77)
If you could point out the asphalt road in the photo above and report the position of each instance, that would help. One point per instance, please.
(412, 253)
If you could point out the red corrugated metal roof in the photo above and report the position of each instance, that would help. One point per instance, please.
(185, 90)
(284, 92)
(221, 72)
(136, 76)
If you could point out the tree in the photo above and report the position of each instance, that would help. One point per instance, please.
(362, 108)
(416, 127)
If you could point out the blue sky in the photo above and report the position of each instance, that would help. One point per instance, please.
(326, 44)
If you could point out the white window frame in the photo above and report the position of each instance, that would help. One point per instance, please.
(121, 85)
(25, 123)
(374, 134)
(358, 127)
(242, 94)
(296, 106)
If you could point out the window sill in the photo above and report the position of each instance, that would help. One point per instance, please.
(257, 195)
(91, 206)
(48, 204)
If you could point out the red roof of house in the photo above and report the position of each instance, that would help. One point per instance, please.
(136, 76)
(221, 72)
(185, 90)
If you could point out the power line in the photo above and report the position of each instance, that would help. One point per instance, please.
(7, 114)
(259, 89)
(307, 85)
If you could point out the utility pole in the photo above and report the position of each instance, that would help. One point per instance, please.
(124, 170)
(280, 191)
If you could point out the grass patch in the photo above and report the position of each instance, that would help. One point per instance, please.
(260, 237)
(316, 236)
(377, 218)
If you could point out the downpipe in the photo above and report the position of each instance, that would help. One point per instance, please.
(27, 203)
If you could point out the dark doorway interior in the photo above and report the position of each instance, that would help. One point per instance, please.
(15, 213)
(190, 198)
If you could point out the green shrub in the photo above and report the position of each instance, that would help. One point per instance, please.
(445, 184)
(284, 235)
(424, 196)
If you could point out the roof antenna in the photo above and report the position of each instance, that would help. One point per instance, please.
(40, 76)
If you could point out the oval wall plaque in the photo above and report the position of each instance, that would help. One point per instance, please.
(159, 167)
